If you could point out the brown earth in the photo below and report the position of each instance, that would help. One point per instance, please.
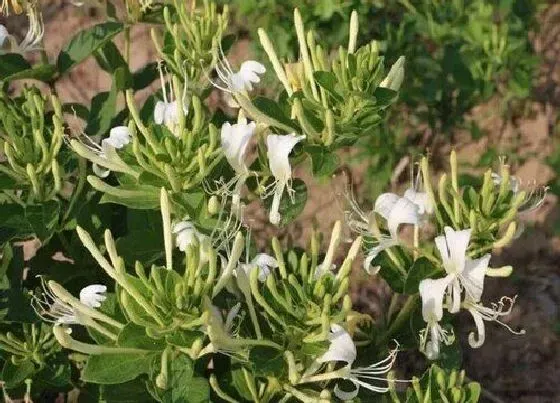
(511, 368)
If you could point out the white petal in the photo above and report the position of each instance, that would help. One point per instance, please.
(472, 277)
(441, 245)
(457, 243)
(119, 137)
(279, 149)
(474, 341)
(263, 260)
(4, 34)
(100, 171)
(342, 347)
(235, 139)
(421, 199)
(342, 395)
(385, 203)
(159, 112)
(432, 292)
(93, 295)
(403, 212)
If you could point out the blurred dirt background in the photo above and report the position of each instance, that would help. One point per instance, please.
(511, 368)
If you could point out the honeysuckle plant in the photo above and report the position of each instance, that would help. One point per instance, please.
(147, 279)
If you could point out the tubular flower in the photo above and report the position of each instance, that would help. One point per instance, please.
(395, 210)
(462, 273)
(431, 293)
(235, 139)
(52, 309)
(264, 264)
(279, 149)
(167, 112)
(241, 80)
(343, 349)
(119, 137)
(394, 79)
(33, 38)
(186, 234)
(481, 313)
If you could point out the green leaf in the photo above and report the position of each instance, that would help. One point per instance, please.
(86, 43)
(11, 64)
(288, 210)
(267, 361)
(14, 67)
(323, 161)
(14, 375)
(272, 109)
(327, 80)
(183, 387)
(422, 269)
(103, 107)
(110, 369)
(43, 218)
(129, 392)
(77, 109)
(135, 336)
(145, 76)
(110, 58)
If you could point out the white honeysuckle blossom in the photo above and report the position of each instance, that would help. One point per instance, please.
(343, 349)
(119, 137)
(33, 38)
(235, 139)
(432, 294)
(396, 211)
(278, 152)
(481, 313)
(166, 111)
(463, 273)
(51, 309)
(241, 80)
(263, 262)
(186, 234)
(514, 182)
(422, 201)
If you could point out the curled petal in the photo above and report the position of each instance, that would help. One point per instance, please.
(477, 340)
(341, 348)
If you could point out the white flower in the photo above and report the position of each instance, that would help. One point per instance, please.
(235, 139)
(395, 210)
(513, 182)
(463, 273)
(343, 349)
(481, 313)
(264, 263)
(119, 137)
(186, 234)
(93, 295)
(431, 293)
(421, 199)
(4, 35)
(279, 149)
(33, 38)
(51, 309)
(241, 80)
(167, 113)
